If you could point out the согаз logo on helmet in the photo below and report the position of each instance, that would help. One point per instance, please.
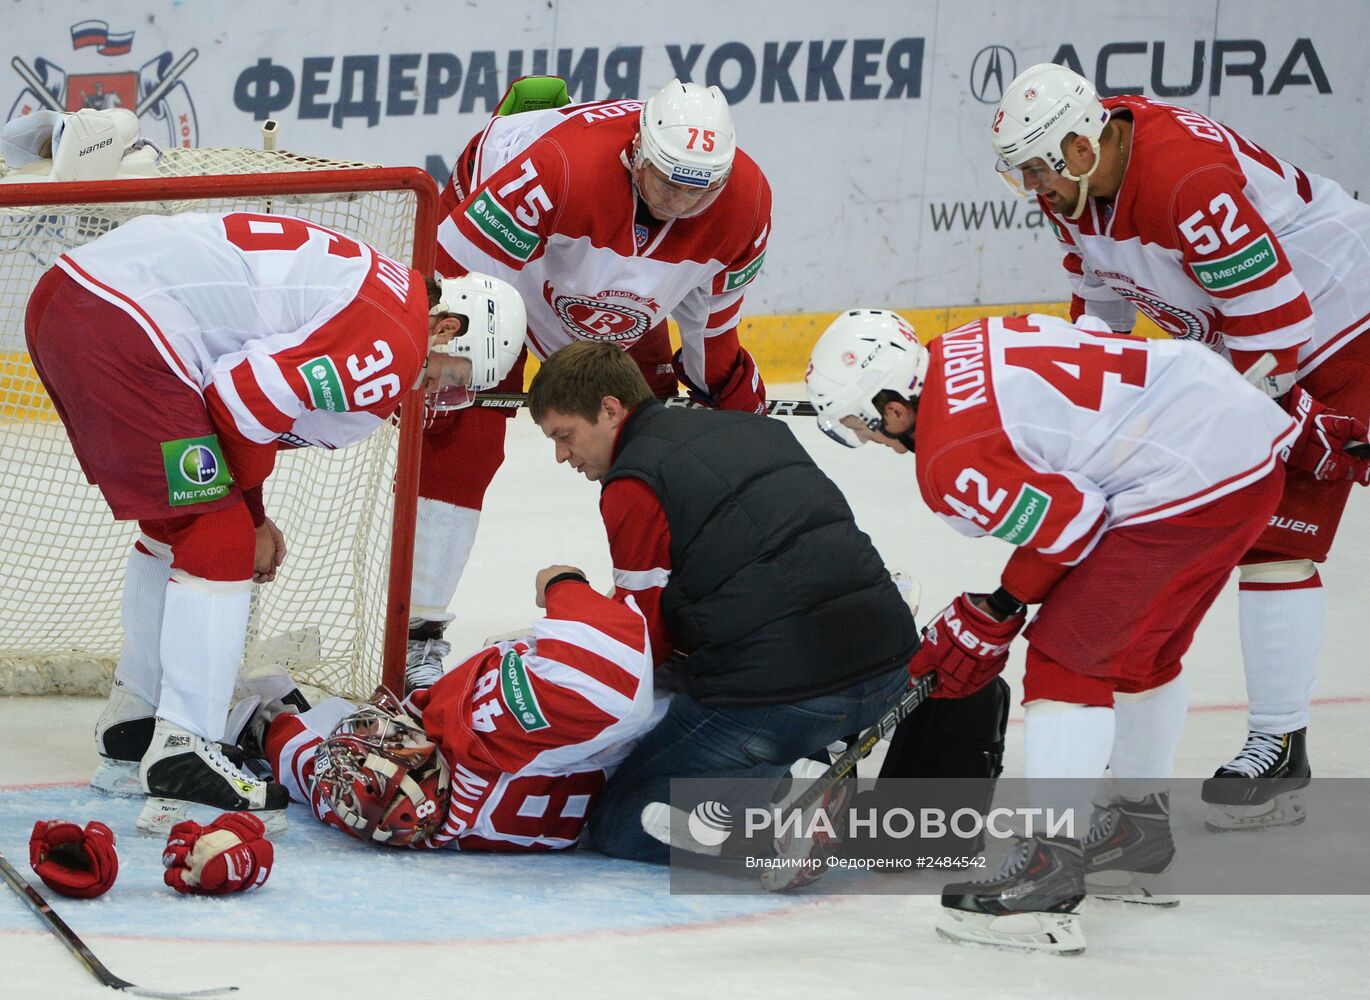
(990, 72)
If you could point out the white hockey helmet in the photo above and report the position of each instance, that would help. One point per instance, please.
(686, 131)
(496, 325)
(1044, 104)
(863, 352)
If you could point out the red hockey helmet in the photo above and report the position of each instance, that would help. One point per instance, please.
(382, 775)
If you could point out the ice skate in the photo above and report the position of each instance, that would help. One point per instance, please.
(122, 735)
(1030, 904)
(1128, 840)
(1260, 787)
(802, 850)
(181, 769)
(423, 657)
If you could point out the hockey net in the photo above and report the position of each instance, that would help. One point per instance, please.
(62, 556)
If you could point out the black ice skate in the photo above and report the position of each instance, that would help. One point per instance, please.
(1128, 840)
(181, 769)
(1030, 904)
(1260, 786)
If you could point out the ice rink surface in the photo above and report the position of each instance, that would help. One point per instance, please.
(341, 919)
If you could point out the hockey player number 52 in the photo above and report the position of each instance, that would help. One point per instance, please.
(1078, 373)
(1204, 237)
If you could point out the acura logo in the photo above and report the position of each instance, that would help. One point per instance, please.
(991, 72)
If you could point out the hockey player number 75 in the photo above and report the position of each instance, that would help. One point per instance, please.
(1078, 373)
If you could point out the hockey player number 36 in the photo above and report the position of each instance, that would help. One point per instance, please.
(1078, 373)
(252, 233)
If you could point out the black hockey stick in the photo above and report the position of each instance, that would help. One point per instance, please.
(884, 727)
(68, 937)
(774, 407)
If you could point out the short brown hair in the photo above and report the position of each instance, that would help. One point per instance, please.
(575, 380)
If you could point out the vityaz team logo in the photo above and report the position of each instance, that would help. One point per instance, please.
(155, 90)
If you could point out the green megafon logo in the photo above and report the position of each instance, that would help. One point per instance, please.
(195, 470)
(199, 465)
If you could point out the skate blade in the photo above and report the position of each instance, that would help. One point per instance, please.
(117, 779)
(159, 815)
(1282, 810)
(1049, 933)
(671, 826)
(1123, 887)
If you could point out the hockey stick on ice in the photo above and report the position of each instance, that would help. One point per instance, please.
(68, 937)
(774, 407)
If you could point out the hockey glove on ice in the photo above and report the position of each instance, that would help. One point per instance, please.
(1323, 437)
(743, 389)
(73, 861)
(229, 855)
(966, 646)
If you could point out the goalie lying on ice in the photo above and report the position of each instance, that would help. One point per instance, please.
(507, 752)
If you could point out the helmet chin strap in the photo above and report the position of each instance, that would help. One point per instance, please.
(1083, 181)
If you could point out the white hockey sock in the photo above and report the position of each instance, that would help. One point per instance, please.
(203, 632)
(145, 586)
(1147, 730)
(1281, 633)
(443, 537)
(1064, 741)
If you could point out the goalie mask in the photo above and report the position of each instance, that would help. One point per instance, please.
(1040, 108)
(382, 775)
(496, 323)
(861, 354)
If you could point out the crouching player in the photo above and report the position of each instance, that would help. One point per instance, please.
(506, 752)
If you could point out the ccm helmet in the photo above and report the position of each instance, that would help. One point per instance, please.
(863, 352)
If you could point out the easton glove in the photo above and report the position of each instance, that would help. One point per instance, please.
(229, 855)
(73, 861)
(967, 647)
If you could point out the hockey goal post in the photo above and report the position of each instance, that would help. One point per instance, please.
(337, 614)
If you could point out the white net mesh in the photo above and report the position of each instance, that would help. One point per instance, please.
(62, 556)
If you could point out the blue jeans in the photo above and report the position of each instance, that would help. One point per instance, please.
(727, 741)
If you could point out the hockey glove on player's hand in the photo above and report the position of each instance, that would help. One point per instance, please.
(742, 390)
(73, 861)
(966, 646)
(1320, 447)
(229, 855)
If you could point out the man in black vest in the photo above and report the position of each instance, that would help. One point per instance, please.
(745, 560)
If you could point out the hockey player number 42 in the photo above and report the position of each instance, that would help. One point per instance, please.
(1078, 373)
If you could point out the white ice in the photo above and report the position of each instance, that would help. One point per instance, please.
(341, 919)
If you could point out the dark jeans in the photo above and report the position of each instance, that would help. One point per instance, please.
(728, 741)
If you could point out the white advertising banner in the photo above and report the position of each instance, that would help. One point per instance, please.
(870, 119)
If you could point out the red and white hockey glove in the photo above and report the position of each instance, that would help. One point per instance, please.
(966, 646)
(742, 390)
(229, 855)
(1321, 447)
(73, 861)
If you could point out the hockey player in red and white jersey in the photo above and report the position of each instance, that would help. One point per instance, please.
(608, 217)
(1132, 475)
(1161, 209)
(180, 353)
(506, 752)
